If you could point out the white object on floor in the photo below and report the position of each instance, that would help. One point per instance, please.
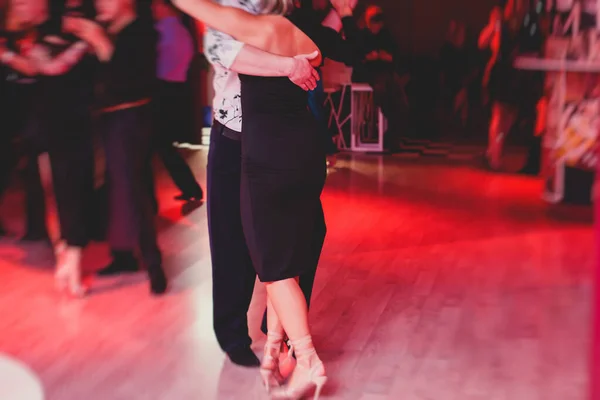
(18, 382)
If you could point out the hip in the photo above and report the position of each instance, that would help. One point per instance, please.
(285, 141)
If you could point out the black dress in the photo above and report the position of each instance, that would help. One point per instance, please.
(283, 170)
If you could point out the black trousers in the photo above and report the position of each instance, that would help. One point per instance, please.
(35, 198)
(172, 121)
(71, 151)
(126, 137)
(233, 273)
(7, 160)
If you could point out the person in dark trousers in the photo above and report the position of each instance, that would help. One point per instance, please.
(172, 98)
(233, 273)
(124, 89)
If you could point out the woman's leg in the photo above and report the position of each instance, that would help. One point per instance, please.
(289, 303)
(270, 368)
(503, 118)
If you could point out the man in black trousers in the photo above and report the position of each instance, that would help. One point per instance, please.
(233, 273)
(125, 86)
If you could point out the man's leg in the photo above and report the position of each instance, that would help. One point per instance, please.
(233, 273)
(141, 153)
(131, 218)
(170, 120)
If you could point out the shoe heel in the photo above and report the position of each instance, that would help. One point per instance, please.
(60, 282)
(266, 376)
(320, 383)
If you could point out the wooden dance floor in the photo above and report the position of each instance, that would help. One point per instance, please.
(438, 281)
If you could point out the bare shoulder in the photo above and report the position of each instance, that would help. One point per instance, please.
(288, 38)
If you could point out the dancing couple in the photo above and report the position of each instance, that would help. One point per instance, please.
(277, 229)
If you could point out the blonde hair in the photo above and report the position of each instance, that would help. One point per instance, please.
(278, 7)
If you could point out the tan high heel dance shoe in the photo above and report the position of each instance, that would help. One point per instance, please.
(68, 271)
(308, 376)
(270, 366)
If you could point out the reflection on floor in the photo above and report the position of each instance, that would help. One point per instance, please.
(437, 282)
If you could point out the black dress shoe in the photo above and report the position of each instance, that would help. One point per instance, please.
(244, 357)
(530, 170)
(158, 280)
(190, 197)
(123, 262)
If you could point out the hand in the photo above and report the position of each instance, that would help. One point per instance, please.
(4, 52)
(385, 56)
(302, 73)
(83, 28)
(372, 56)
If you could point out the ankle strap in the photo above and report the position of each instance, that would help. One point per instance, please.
(303, 347)
(274, 336)
(274, 340)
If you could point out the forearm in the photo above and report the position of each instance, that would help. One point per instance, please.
(64, 61)
(103, 48)
(18, 63)
(253, 61)
(485, 37)
(333, 21)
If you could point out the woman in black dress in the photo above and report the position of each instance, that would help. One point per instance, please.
(283, 173)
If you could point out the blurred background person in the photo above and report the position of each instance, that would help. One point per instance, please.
(323, 13)
(125, 85)
(172, 98)
(378, 68)
(501, 79)
(454, 64)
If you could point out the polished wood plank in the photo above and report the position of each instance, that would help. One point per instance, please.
(437, 281)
